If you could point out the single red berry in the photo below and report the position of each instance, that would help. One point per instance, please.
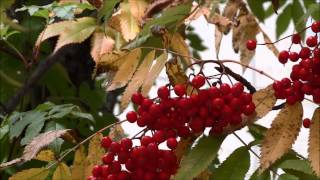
(285, 83)
(163, 92)
(146, 103)
(137, 98)
(106, 142)
(123, 175)
(126, 143)
(180, 90)
(172, 143)
(306, 122)
(315, 27)
(132, 116)
(249, 109)
(304, 53)
(108, 158)
(159, 136)
(251, 45)
(97, 171)
(246, 98)
(145, 140)
(296, 38)
(293, 56)
(115, 167)
(198, 81)
(115, 147)
(217, 103)
(312, 41)
(291, 100)
(283, 57)
(152, 148)
(316, 53)
(237, 89)
(225, 88)
(196, 125)
(123, 156)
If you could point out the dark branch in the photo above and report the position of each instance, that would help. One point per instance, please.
(280, 106)
(238, 78)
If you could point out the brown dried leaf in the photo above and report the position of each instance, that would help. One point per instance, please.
(155, 7)
(62, 172)
(45, 155)
(137, 80)
(128, 23)
(117, 133)
(100, 45)
(230, 12)
(314, 142)
(279, 138)
(264, 100)
(153, 73)
(129, 64)
(31, 174)
(269, 43)
(137, 8)
(95, 152)
(217, 40)
(179, 45)
(79, 165)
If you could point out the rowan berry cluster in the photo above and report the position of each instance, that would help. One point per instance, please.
(170, 117)
(305, 75)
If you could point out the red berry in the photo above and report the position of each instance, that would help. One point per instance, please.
(96, 171)
(217, 103)
(159, 136)
(237, 89)
(126, 143)
(304, 53)
(145, 140)
(283, 57)
(146, 103)
(312, 41)
(180, 90)
(106, 142)
(315, 27)
(293, 56)
(137, 98)
(132, 116)
(163, 92)
(296, 39)
(225, 88)
(249, 109)
(306, 123)
(198, 81)
(172, 143)
(115, 147)
(285, 83)
(108, 158)
(251, 45)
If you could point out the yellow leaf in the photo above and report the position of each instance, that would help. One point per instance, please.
(100, 45)
(31, 174)
(153, 73)
(314, 142)
(52, 30)
(62, 172)
(95, 152)
(279, 138)
(264, 100)
(128, 23)
(79, 165)
(269, 43)
(45, 155)
(179, 45)
(137, 8)
(137, 80)
(76, 31)
(128, 67)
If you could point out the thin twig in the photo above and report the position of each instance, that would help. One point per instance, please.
(82, 142)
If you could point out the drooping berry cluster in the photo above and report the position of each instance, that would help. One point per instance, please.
(305, 75)
(169, 118)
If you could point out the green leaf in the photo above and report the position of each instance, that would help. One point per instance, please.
(297, 12)
(107, 9)
(33, 130)
(283, 21)
(307, 3)
(263, 176)
(199, 158)
(314, 11)
(256, 7)
(287, 177)
(257, 131)
(172, 15)
(230, 168)
(298, 165)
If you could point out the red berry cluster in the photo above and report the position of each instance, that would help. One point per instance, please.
(305, 75)
(169, 118)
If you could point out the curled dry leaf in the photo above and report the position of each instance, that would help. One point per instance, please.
(79, 165)
(137, 80)
(37, 143)
(314, 142)
(153, 73)
(217, 40)
(100, 45)
(269, 43)
(178, 44)
(230, 12)
(129, 64)
(62, 172)
(264, 100)
(29, 174)
(283, 132)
